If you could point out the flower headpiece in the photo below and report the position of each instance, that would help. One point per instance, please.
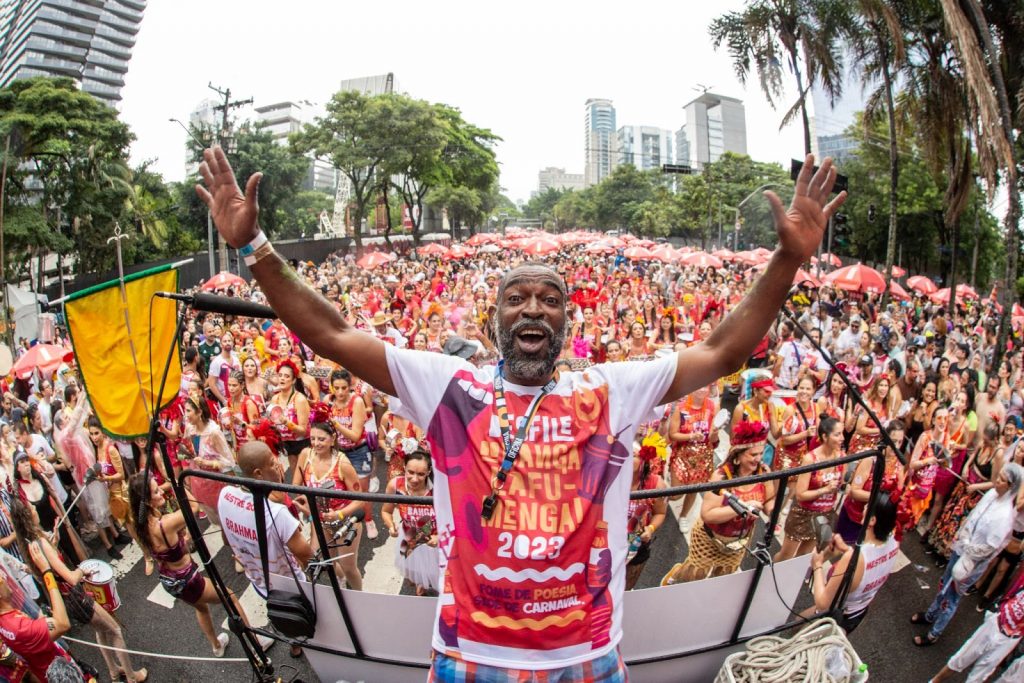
(265, 432)
(749, 432)
(289, 363)
(434, 307)
(654, 450)
(319, 412)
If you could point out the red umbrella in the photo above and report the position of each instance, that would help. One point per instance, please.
(802, 277)
(723, 254)
(897, 291)
(374, 259)
(614, 242)
(857, 278)
(540, 245)
(831, 259)
(489, 249)
(223, 280)
(482, 238)
(962, 292)
(459, 251)
(702, 260)
(637, 253)
(898, 272)
(46, 357)
(432, 249)
(921, 284)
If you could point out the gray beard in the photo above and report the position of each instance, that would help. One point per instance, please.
(529, 367)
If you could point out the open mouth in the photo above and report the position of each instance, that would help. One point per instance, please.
(532, 340)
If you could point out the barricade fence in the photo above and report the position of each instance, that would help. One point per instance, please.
(348, 643)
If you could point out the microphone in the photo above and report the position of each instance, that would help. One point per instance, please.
(347, 532)
(89, 477)
(739, 508)
(225, 305)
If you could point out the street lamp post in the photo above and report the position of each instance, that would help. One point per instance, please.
(209, 217)
(762, 188)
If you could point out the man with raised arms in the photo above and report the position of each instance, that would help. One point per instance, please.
(531, 521)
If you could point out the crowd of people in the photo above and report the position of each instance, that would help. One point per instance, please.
(256, 400)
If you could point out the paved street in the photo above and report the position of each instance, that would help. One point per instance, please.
(153, 623)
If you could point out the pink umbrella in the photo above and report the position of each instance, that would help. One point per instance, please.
(702, 260)
(432, 249)
(921, 284)
(489, 249)
(831, 259)
(898, 272)
(46, 357)
(664, 253)
(600, 248)
(723, 254)
(538, 246)
(637, 254)
(375, 259)
(223, 280)
(614, 242)
(857, 278)
(962, 292)
(459, 251)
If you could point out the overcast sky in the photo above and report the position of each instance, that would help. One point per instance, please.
(523, 69)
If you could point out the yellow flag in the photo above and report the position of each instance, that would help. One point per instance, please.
(122, 371)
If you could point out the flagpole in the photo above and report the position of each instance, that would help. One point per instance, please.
(116, 239)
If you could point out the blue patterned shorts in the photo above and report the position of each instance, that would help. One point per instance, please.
(607, 669)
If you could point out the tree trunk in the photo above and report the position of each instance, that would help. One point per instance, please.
(952, 269)
(894, 166)
(387, 217)
(1008, 295)
(803, 103)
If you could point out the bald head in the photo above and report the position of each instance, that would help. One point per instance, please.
(534, 271)
(256, 460)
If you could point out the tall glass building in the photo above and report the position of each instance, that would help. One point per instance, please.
(601, 147)
(90, 41)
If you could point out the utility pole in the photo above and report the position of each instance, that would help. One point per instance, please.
(224, 139)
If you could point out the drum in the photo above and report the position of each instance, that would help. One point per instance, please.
(784, 396)
(100, 584)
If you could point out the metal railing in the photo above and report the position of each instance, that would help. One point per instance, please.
(262, 489)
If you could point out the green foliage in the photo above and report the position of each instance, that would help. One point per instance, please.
(542, 205)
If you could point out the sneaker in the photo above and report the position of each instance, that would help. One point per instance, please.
(266, 642)
(371, 530)
(374, 485)
(222, 644)
(685, 525)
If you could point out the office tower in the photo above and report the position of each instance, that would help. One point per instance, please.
(282, 119)
(645, 147)
(600, 141)
(714, 125)
(90, 41)
(558, 179)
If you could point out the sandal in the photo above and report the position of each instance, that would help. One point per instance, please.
(925, 641)
(919, 618)
(149, 566)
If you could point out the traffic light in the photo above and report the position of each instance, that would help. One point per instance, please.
(841, 231)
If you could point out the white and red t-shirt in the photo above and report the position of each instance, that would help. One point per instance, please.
(539, 584)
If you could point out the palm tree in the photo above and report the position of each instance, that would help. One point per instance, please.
(800, 33)
(935, 98)
(990, 108)
(876, 40)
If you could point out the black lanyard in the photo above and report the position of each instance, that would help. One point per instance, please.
(512, 446)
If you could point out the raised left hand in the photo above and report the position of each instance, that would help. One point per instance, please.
(802, 225)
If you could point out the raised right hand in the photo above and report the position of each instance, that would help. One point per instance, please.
(38, 558)
(234, 214)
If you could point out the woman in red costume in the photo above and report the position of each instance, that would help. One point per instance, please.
(693, 444)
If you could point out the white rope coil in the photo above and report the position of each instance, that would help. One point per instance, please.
(802, 658)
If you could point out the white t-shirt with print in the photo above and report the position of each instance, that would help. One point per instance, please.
(539, 585)
(239, 525)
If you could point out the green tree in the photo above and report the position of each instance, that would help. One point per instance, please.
(618, 197)
(300, 216)
(876, 37)
(354, 136)
(802, 34)
(60, 137)
(417, 163)
(542, 205)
